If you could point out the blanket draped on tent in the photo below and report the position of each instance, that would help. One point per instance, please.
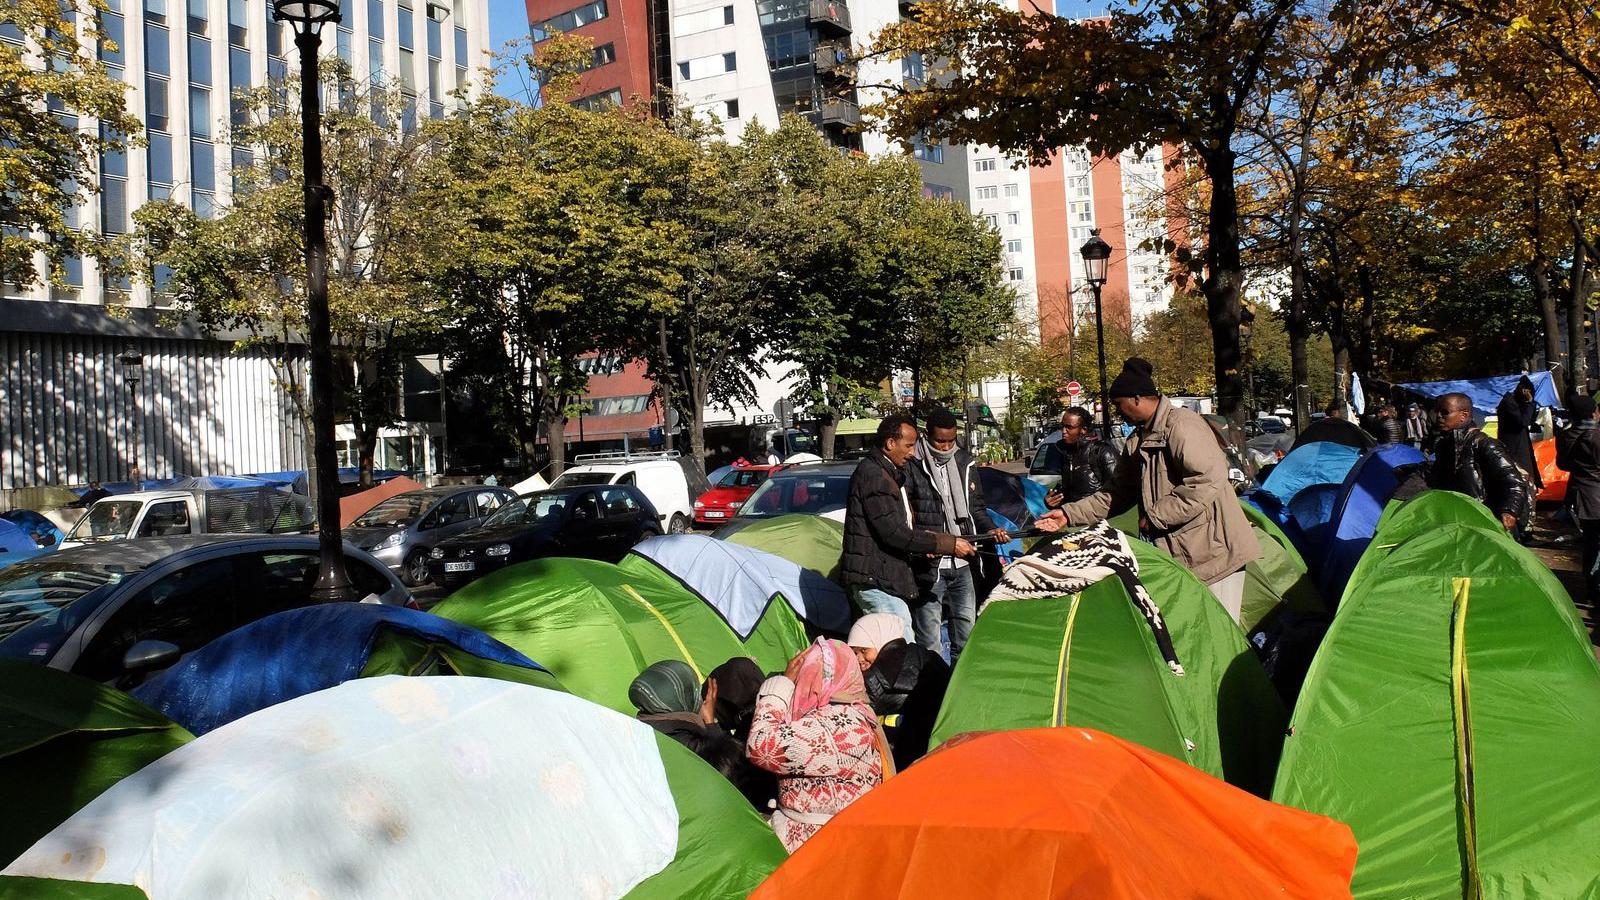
(1070, 563)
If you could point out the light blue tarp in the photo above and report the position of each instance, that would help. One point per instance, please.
(1322, 462)
(1300, 490)
(16, 545)
(293, 653)
(739, 582)
(220, 483)
(1362, 497)
(1486, 393)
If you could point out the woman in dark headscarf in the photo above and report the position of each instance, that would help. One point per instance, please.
(731, 690)
(670, 700)
(1517, 413)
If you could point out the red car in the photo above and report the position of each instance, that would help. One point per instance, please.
(719, 504)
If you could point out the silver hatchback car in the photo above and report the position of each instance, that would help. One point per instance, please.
(402, 529)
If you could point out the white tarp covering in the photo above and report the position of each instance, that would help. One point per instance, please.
(740, 581)
(385, 788)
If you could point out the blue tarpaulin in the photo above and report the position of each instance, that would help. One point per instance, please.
(1322, 462)
(1486, 393)
(296, 652)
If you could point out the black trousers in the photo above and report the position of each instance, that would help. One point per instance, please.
(1589, 531)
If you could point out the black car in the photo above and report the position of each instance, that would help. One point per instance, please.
(592, 521)
(119, 610)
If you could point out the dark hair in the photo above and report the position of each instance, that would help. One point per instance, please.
(891, 425)
(1083, 416)
(941, 418)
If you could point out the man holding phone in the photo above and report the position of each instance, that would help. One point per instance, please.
(1087, 461)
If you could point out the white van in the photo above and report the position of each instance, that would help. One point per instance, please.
(173, 512)
(668, 479)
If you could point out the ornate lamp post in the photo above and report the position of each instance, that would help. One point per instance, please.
(307, 17)
(131, 362)
(1096, 254)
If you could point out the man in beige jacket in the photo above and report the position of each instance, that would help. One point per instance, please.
(1175, 470)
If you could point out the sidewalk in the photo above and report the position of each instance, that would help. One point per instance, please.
(1556, 544)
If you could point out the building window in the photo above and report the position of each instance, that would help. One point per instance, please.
(602, 100)
(795, 95)
(407, 24)
(586, 14)
(203, 161)
(730, 62)
(435, 37)
(1078, 185)
(238, 19)
(113, 205)
(1079, 235)
(199, 60)
(1012, 190)
(604, 54)
(155, 104)
(113, 162)
(789, 48)
(933, 153)
(199, 112)
(1013, 246)
(198, 23)
(620, 406)
(706, 66)
(988, 193)
(914, 70)
(155, 12)
(772, 12)
(408, 70)
(375, 60)
(461, 47)
(984, 165)
(731, 107)
(1013, 274)
(111, 43)
(375, 19)
(1013, 218)
(157, 50)
(704, 20)
(992, 221)
(160, 159)
(1081, 211)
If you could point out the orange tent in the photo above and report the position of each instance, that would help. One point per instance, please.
(351, 507)
(1555, 480)
(1065, 812)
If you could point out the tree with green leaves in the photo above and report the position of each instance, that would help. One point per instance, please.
(557, 243)
(244, 268)
(53, 79)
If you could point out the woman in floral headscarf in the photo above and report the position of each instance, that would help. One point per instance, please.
(815, 729)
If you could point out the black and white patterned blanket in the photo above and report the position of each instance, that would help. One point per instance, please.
(1070, 563)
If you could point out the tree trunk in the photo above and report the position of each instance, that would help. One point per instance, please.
(555, 437)
(1224, 273)
(1577, 311)
(1539, 277)
(827, 433)
(1364, 351)
(697, 421)
(666, 387)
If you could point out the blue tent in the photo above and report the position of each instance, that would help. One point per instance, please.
(1486, 393)
(1016, 497)
(296, 652)
(43, 531)
(1362, 497)
(1300, 490)
(1321, 462)
(219, 483)
(16, 544)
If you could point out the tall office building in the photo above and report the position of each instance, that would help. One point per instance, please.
(96, 379)
(1045, 214)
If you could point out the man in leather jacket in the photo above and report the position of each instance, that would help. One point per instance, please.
(1470, 462)
(1087, 463)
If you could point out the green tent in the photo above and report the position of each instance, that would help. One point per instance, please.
(811, 542)
(594, 625)
(1279, 579)
(1451, 716)
(1089, 660)
(20, 887)
(64, 739)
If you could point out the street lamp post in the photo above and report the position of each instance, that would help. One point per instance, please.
(307, 17)
(131, 361)
(1096, 253)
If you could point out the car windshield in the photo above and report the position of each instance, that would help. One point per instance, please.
(743, 478)
(43, 601)
(578, 479)
(530, 509)
(107, 520)
(1271, 426)
(1047, 459)
(799, 492)
(402, 509)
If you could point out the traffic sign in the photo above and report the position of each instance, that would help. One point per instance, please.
(1074, 388)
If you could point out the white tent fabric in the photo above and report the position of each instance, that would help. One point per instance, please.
(741, 581)
(383, 788)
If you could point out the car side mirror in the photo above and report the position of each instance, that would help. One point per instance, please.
(147, 655)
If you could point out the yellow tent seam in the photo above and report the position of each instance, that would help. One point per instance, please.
(671, 632)
(1461, 696)
(1063, 661)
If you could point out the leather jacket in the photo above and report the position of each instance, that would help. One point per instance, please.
(1470, 462)
(1086, 469)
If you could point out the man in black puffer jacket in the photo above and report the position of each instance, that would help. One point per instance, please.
(1470, 462)
(1087, 462)
(879, 540)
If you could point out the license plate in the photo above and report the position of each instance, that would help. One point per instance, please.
(716, 514)
(460, 566)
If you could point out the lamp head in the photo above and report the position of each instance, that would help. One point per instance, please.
(306, 16)
(1096, 253)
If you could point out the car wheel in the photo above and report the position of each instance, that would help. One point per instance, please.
(679, 524)
(415, 571)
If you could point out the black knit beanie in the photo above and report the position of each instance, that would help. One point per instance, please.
(1135, 380)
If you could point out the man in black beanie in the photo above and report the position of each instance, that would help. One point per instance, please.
(1174, 469)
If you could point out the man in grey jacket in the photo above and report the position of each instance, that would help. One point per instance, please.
(1174, 470)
